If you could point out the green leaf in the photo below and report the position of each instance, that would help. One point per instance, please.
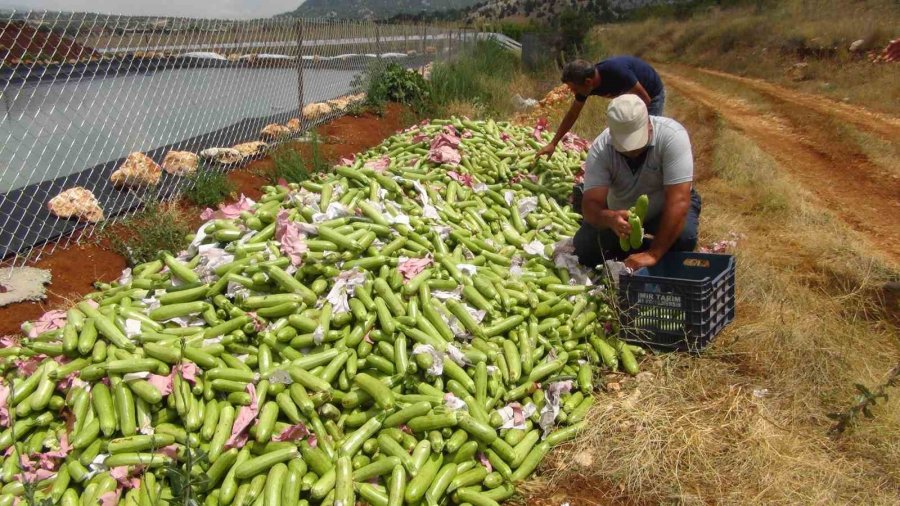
(863, 389)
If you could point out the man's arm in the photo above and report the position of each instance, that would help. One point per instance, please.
(564, 127)
(678, 201)
(638, 89)
(596, 212)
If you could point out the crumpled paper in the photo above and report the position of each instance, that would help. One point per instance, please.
(304, 198)
(444, 295)
(445, 149)
(289, 235)
(428, 210)
(527, 205)
(572, 142)
(229, 211)
(292, 433)
(211, 257)
(454, 403)
(244, 418)
(344, 287)
(564, 256)
(514, 415)
(4, 406)
(463, 179)
(412, 267)
(467, 269)
(334, 211)
(51, 320)
(535, 247)
(457, 356)
(379, 165)
(437, 364)
(553, 394)
(615, 269)
(132, 328)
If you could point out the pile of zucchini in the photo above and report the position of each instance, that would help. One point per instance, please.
(237, 373)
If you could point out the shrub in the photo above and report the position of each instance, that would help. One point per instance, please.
(158, 227)
(385, 82)
(515, 29)
(208, 187)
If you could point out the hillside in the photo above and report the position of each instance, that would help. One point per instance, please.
(538, 11)
(813, 46)
(374, 9)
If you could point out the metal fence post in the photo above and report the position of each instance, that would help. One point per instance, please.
(424, 36)
(377, 41)
(300, 74)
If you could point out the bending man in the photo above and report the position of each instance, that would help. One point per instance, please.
(610, 78)
(638, 154)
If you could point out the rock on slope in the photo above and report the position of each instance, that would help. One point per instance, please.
(543, 11)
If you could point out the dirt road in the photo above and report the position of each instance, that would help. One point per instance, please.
(803, 133)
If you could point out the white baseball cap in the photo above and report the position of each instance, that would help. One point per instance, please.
(627, 117)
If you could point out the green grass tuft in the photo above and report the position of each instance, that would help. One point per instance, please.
(208, 187)
(293, 167)
(158, 227)
(481, 75)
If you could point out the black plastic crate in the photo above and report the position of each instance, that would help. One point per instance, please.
(679, 304)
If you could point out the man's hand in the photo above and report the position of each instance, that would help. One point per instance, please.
(617, 221)
(547, 150)
(639, 260)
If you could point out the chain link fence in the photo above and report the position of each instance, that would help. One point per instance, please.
(79, 92)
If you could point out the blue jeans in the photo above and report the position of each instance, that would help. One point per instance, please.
(657, 104)
(593, 246)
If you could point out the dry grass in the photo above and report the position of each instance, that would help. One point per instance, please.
(766, 43)
(881, 152)
(746, 422)
(699, 432)
(464, 109)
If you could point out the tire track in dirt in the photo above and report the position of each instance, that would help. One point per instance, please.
(881, 124)
(851, 186)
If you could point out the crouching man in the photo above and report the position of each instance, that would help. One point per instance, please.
(638, 154)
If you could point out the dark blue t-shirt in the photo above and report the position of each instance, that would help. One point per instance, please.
(620, 73)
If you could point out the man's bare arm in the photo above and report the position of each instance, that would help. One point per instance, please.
(638, 89)
(564, 127)
(678, 201)
(596, 212)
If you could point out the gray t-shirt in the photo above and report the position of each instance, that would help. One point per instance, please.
(669, 161)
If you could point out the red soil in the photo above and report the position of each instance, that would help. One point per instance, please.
(18, 39)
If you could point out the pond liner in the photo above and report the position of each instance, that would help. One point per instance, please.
(26, 222)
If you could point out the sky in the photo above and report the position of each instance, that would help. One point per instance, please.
(229, 9)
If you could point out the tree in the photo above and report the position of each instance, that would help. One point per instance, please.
(572, 27)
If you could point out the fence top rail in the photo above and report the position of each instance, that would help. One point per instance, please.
(49, 18)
